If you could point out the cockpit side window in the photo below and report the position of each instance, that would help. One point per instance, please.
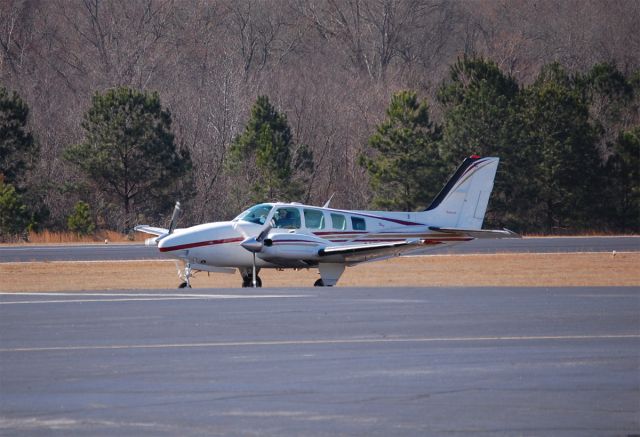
(287, 218)
(313, 219)
(256, 214)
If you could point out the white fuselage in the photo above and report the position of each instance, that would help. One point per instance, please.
(292, 235)
(299, 232)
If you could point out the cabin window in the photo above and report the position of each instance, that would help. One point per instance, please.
(339, 222)
(313, 219)
(287, 218)
(358, 224)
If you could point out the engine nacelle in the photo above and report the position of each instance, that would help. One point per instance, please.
(292, 246)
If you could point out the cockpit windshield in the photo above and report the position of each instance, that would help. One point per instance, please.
(256, 214)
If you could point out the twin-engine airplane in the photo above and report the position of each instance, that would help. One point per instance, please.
(295, 236)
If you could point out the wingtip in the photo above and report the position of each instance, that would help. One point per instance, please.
(512, 233)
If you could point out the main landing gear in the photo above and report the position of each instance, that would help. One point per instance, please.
(329, 274)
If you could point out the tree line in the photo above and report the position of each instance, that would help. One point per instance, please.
(569, 145)
(569, 162)
(329, 72)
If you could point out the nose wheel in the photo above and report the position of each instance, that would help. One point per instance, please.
(248, 283)
(185, 276)
(247, 278)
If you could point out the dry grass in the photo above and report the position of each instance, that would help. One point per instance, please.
(50, 237)
(542, 270)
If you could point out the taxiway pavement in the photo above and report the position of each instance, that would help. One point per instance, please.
(111, 252)
(322, 361)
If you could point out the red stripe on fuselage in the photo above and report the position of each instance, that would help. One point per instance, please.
(339, 233)
(200, 244)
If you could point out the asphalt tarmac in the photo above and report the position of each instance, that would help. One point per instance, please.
(110, 252)
(374, 362)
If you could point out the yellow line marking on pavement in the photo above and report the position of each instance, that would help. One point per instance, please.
(127, 297)
(322, 342)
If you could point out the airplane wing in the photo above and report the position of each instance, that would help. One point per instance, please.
(478, 233)
(357, 253)
(151, 230)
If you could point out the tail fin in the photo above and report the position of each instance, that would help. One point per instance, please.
(463, 201)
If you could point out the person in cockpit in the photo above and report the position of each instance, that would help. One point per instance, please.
(285, 219)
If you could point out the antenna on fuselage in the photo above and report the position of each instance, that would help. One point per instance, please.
(326, 205)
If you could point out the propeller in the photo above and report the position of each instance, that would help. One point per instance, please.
(255, 245)
(172, 226)
(174, 217)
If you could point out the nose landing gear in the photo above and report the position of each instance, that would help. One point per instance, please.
(247, 278)
(246, 283)
(185, 276)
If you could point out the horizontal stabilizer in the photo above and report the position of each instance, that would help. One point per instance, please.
(151, 230)
(478, 233)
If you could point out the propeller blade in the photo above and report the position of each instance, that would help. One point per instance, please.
(264, 232)
(174, 217)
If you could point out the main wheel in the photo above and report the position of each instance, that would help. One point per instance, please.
(184, 285)
(318, 283)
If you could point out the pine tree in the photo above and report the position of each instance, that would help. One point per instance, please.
(480, 106)
(622, 187)
(129, 152)
(81, 221)
(614, 109)
(14, 217)
(18, 154)
(266, 158)
(560, 137)
(405, 170)
(17, 147)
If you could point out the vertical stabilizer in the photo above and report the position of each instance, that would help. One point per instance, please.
(463, 201)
